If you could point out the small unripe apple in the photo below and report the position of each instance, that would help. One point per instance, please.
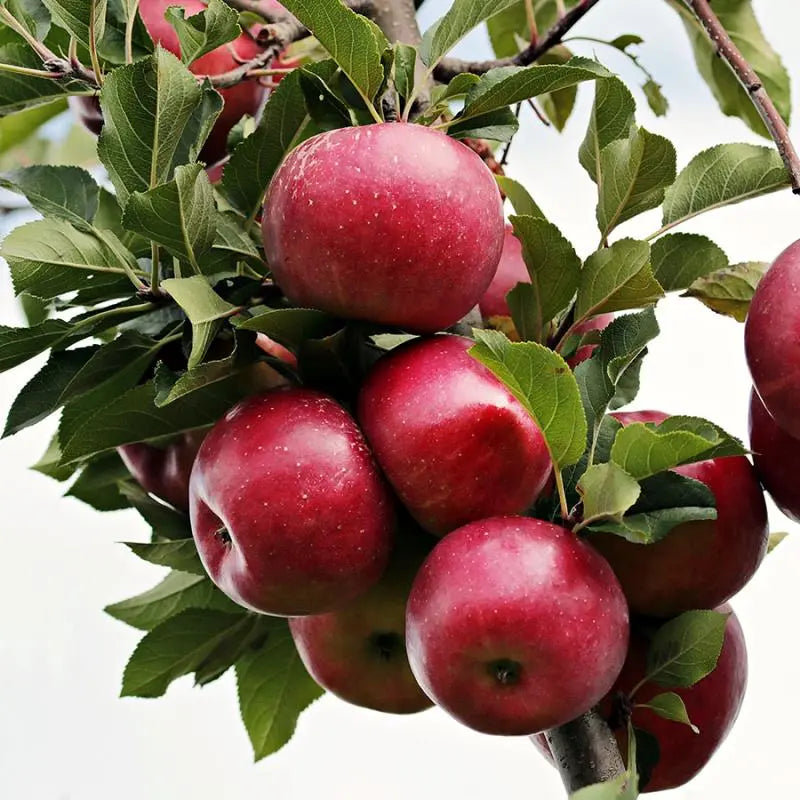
(454, 443)
(712, 706)
(515, 625)
(510, 271)
(393, 223)
(288, 509)
(772, 339)
(776, 456)
(164, 471)
(359, 652)
(698, 564)
(246, 97)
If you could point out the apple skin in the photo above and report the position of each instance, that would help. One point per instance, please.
(87, 110)
(510, 271)
(288, 509)
(359, 652)
(776, 456)
(699, 564)
(244, 98)
(712, 705)
(164, 471)
(393, 223)
(772, 339)
(454, 443)
(515, 625)
(584, 353)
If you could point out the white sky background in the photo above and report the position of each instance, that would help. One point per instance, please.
(65, 734)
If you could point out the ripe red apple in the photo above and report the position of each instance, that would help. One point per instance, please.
(712, 705)
(359, 652)
(288, 509)
(776, 456)
(453, 441)
(244, 98)
(772, 339)
(393, 223)
(164, 471)
(510, 271)
(515, 625)
(698, 564)
(87, 111)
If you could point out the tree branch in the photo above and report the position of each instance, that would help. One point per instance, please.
(448, 68)
(747, 76)
(585, 751)
(261, 9)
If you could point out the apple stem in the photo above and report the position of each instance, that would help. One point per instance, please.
(730, 53)
(585, 751)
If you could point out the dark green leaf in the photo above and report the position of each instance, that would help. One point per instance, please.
(679, 259)
(98, 484)
(166, 522)
(557, 106)
(289, 326)
(405, 63)
(204, 31)
(19, 344)
(658, 103)
(180, 554)
(19, 91)
(84, 19)
(497, 126)
(670, 706)
(518, 195)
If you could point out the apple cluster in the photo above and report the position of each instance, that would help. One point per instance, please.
(395, 533)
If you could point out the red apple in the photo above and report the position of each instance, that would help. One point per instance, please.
(515, 625)
(244, 98)
(288, 509)
(584, 352)
(393, 223)
(776, 456)
(698, 564)
(87, 111)
(453, 441)
(712, 705)
(510, 271)
(772, 339)
(164, 471)
(359, 652)
(276, 349)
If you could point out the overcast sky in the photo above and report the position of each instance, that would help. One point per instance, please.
(65, 734)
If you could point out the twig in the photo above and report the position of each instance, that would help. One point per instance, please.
(129, 23)
(260, 9)
(448, 68)
(727, 50)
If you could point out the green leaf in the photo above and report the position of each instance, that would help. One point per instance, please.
(507, 29)
(558, 106)
(729, 291)
(205, 31)
(738, 18)
(19, 344)
(686, 649)
(180, 554)
(255, 160)
(289, 326)
(180, 215)
(644, 449)
(134, 417)
(611, 119)
(274, 688)
(98, 484)
(405, 64)
(204, 308)
(155, 113)
(84, 19)
(617, 278)
(721, 176)
(602, 379)
(174, 648)
(50, 463)
(607, 492)
(775, 539)
(670, 706)
(505, 86)
(667, 499)
(658, 103)
(553, 266)
(68, 193)
(32, 14)
(608, 790)
(165, 522)
(679, 259)
(355, 43)
(177, 592)
(112, 46)
(51, 257)
(519, 197)
(498, 126)
(17, 128)
(43, 394)
(232, 237)
(541, 380)
(19, 91)
(462, 17)
(633, 176)
(109, 218)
